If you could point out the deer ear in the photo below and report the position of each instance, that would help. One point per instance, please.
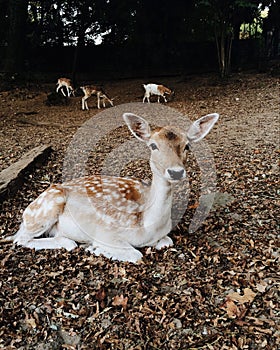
(201, 127)
(138, 126)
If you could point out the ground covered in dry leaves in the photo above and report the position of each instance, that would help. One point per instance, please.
(217, 288)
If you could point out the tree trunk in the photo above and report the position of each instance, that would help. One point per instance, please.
(228, 57)
(224, 49)
(223, 55)
(80, 44)
(14, 60)
(276, 42)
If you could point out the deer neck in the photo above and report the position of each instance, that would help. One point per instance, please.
(159, 200)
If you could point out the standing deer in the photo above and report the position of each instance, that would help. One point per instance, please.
(67, 83)
(154, 89)
(90, 90)
(115, 215)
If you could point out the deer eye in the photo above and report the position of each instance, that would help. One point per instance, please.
(187, 147)
(153, 146)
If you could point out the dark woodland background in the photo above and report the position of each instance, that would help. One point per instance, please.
(40, 39)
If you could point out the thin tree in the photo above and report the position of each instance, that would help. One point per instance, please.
(222, 17)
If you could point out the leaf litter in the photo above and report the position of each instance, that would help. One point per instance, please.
(217, 288)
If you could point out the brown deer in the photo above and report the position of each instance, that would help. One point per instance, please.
(115, 215)
(68, 84)
(90, 90)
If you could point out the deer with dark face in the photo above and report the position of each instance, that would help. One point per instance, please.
(90, 90)
(114, 215)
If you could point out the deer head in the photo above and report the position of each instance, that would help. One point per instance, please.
(169, 144)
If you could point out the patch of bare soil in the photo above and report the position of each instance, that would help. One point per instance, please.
(217, 288)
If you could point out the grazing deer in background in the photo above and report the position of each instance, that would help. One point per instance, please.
(90, 90)
(115, 215)
(154, 89)
(68, 84)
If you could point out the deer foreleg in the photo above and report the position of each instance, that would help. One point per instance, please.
(68, 91)
(84, 103)
(98, 100)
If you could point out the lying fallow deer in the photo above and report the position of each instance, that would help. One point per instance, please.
(90, 90)
(154, 89)
(68, 84)
(115, 215)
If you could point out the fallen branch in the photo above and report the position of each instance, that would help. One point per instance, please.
(26, 113)
(12, 177)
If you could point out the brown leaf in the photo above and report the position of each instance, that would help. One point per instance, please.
(248, 296)
(30, 321)
(120, 300)
(100, 294)
(231, 308)
(3, 262)
(193, 206)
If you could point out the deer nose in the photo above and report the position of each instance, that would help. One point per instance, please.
(176, 174)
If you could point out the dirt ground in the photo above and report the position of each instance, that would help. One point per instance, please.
(217, 288)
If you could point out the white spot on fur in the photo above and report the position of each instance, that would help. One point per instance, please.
(108, 198)
(53, 190)
(46, 207)
(59, 200)
(115, 195)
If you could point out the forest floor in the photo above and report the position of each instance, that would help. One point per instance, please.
(216, 288)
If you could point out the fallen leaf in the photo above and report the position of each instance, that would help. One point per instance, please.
(248, 296)
(120, 300)
(31, 322)
(231, 308)
(261, 287)
(100, 294)
(193, 206)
